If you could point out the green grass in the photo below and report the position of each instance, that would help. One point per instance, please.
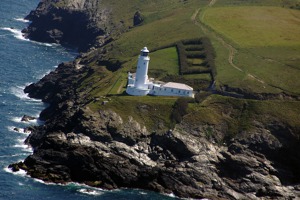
(270, 71)
(280, 3)
(238, 115)
(267, 43)
(150, 111)
(204, 76)
(195, 61)
(164, 62)
(176, 26)
(256, 26)
(119, 86)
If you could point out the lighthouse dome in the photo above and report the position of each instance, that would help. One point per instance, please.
(145, 50)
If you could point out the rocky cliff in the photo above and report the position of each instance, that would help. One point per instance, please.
(103, 149)
(80, 23)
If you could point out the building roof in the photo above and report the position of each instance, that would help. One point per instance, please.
(180, 86)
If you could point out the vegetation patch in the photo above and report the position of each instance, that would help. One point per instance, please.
(196, 56)
(256, 26)
(237, 116)
(150, 111)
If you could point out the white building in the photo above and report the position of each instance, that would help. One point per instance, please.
(140, 85)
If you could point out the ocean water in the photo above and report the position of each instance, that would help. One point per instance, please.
(21, 63)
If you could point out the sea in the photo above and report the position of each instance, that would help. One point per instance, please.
(23, 62)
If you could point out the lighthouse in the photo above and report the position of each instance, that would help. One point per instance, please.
(139, 84)
(141, 79)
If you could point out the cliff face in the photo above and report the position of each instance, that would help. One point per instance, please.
(74, 23)
(102, 149)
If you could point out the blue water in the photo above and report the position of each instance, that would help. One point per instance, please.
(23, 62)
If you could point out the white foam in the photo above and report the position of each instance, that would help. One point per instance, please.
(22, 20)
(21, 172)
(19, 35)
(90, 191)
(33, 121)
(46, 44)
(18, 130)
(43, 182)
(17, 119)
(11, 129)
(143, 193)
(20, 184)
(171, 195)
(23, 146)
(18, 91)
(16, 32)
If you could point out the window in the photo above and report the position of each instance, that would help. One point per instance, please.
(144, 54)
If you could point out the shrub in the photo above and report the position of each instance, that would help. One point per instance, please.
(181, 57)
(179, 109)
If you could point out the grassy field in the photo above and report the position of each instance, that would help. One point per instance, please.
(151, 112)
(267, 47)
(163, 62)
(174, 26)
(256, 26)
(241, 114)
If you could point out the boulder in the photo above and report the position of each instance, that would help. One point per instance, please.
(27, 118)
(137, 18)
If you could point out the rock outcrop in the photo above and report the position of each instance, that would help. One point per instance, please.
(72, 23)
(137, 18)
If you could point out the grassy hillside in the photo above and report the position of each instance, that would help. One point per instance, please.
(266, 49)
(256, 26)
(257, 50)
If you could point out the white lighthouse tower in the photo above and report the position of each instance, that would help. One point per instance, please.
(139, 84)
(141, 79)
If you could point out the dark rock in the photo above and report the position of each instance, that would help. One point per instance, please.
(14, 167)
(16, 129)
(56, 35)
(76, 24)
(137, 18)
(27, 118)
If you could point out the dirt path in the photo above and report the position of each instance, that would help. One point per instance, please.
(231, 49)
(212, 2)
(120, 87)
